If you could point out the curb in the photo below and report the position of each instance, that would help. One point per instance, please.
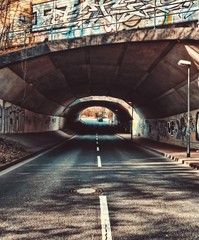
(194, 165)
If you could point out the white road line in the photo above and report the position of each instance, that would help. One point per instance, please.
(99, 162)
(97, 149)
(17, 166)
(105, 221)
(96, 138)
(97, 142)
(3, 172)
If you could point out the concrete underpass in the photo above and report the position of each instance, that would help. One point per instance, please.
(122, 182)
(141, 69)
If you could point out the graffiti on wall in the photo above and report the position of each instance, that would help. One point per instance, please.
(171, 130)
(29, 22)
(181, 130)
(14, 119)
(11, 118)
(86, 17)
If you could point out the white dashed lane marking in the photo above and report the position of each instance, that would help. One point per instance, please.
(99, 162)
(105, 221)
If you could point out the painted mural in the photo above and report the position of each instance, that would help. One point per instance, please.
(170, 130)
(27, 22)
(14, 119)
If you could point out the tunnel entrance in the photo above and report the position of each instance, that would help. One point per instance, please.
(101, 114)
(98, 119)
(98, 116)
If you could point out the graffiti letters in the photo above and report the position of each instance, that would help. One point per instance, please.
(90, 16)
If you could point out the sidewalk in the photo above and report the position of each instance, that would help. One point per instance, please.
(173, 152)
(32, 144)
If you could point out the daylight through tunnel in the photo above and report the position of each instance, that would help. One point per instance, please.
(118, 113)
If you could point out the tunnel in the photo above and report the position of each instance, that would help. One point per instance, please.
(138, 67)
(121, 110)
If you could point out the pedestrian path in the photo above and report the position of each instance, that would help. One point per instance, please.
(32, 144)
(173, 152)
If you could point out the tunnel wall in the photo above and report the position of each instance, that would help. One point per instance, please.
(14, 119)
(170, 130)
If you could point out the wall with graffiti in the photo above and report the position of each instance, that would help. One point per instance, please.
(87, 17)
(43, 20)
(170, 130)
(14, 119)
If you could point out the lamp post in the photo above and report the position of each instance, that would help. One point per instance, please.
(188, 65)
(131, 121)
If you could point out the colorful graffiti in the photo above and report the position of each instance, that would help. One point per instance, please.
(28, 22)
(170, 130)
(102, 16)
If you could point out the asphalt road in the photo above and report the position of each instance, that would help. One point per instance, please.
(99, 188)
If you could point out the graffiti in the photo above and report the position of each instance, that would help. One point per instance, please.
(14, 119)
(94, 17)
(171, 130)
(26, 23)
(181, 129)
(162, 128)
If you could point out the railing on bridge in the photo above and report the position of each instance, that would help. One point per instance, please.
(26, 22)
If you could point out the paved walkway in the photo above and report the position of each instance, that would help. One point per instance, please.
(34, 142)
(175, 153)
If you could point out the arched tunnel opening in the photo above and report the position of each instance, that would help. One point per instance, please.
(99, 114)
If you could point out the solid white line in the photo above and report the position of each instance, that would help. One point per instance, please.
(105, 221)
(17, 165)
(32, 158)
(99, 162)
(97, 149)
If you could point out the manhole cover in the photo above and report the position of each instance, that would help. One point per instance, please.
(87, 191)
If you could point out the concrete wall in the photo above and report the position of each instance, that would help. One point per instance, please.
(39, 20)
(170, 130)
(14, 119)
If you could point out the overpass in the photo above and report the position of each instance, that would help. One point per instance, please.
(139, 66)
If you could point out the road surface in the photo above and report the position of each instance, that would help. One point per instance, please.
(99, 188)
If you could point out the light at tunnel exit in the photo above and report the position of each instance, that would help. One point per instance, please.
(98, 116)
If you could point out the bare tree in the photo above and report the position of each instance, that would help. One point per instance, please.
(4, 24)
(15, 22)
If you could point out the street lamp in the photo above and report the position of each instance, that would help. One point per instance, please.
(131, 121)
(188, 65)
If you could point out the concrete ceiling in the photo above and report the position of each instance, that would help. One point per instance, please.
(142, 70)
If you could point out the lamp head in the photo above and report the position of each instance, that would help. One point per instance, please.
(184, 63)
